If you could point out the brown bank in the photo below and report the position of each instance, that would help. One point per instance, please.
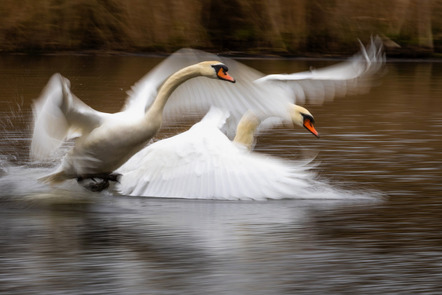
(282, 27)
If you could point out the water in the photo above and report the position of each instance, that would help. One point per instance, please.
(68, 241)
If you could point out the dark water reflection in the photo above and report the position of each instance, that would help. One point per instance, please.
(67, 241)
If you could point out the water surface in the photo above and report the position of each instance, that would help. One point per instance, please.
(69, 241)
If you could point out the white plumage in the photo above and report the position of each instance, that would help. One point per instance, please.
(203, 163)
(267, 96)
(105, 140)
(109, 143)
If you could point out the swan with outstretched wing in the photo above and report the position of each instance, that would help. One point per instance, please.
(264, 95)
(203, 163)
(105, 141)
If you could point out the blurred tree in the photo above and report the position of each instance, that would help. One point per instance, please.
(229, 26)
(254, 26)
(425, 35)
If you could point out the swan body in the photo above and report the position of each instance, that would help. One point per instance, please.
(203, 163)
(106, 140)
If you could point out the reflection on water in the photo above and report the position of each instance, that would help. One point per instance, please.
(68, 241)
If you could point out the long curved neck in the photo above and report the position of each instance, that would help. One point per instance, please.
(245, 131)
(169, 86)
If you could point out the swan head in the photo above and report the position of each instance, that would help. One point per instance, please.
(216, 70)
(302, 117)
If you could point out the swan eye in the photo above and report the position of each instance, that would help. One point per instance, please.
(308, 117)
(221, 72)
(220, 67)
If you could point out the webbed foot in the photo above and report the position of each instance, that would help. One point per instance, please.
(97, 182)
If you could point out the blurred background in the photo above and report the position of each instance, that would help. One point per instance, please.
(283, 27)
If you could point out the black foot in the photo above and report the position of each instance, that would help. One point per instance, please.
(97, 182)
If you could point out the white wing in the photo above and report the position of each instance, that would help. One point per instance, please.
(57, 114)
(350, 77)
(196, 96)
(267, 98)
(203, 163)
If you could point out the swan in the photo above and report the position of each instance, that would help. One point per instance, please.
(106, 140)
(203, 163)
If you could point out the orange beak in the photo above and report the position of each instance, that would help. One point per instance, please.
(308, 124)
(224, 76)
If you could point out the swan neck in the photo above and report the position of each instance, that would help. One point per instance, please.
(169, 86)
(245, 131)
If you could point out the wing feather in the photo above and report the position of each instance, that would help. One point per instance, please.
(203, 163)
(353, 76)
(196, 96)
(265, 95)
(58, 114)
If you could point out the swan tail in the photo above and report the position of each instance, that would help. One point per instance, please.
(54, 178)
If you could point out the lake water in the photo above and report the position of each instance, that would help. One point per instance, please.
(69, 241)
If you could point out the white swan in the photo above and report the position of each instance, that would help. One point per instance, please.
(106, 140)
(203, 163)
(264, 95)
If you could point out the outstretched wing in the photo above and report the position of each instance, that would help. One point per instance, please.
(57, 114)
(350, 77)
(266, 96)
(203, 163)
(196, 96)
